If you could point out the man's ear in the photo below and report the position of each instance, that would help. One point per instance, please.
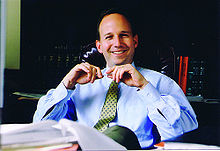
(135, 41)
(98, 46)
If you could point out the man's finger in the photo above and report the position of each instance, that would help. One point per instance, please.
(114, 73)
(109, 76)
(110, 70)
(99, 73)
(121, 74)
(93, 77)
(83, 68)
(117, 75)
(90, 68)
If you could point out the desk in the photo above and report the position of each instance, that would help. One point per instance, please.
(187, 146)
(208, 115)
(208, 132)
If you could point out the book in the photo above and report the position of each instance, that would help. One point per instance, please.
(54, 134)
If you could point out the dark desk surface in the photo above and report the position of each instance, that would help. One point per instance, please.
(208, 132)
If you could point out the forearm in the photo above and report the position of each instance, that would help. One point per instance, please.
(171, 113)
(172, 122)
(52, 105)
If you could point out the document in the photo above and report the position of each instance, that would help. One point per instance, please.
(49, 132)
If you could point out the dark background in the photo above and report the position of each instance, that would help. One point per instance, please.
(53, 30)
(48, 26)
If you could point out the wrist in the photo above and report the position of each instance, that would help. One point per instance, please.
(143, 85)
(68, 84)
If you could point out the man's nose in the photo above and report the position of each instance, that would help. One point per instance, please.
(117, 41)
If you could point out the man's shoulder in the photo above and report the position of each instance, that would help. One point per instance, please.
(145, 71)
(153, 75)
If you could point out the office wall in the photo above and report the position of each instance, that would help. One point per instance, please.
(2, 49)
(12, 34)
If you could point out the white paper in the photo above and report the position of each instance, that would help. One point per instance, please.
(50, 132)
(90, 138)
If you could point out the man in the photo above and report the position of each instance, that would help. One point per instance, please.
(146, 98)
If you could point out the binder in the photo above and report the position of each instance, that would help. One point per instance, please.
(183, 70)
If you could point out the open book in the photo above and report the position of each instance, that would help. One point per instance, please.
(48, 133)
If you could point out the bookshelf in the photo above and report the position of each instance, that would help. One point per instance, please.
(51, 65)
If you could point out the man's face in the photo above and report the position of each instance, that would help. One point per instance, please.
(116, 40)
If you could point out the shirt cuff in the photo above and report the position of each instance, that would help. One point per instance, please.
(151, 97)
(61, 92)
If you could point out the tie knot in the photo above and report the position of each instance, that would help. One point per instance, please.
(113, 86)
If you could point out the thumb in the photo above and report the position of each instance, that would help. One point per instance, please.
(110, 70)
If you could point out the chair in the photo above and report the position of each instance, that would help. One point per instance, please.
(90, 54)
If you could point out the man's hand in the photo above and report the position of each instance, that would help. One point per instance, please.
(82, 73)
(127, 74)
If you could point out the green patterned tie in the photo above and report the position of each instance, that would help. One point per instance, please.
(109, 109)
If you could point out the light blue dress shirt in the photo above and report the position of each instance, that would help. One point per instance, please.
(161, 102)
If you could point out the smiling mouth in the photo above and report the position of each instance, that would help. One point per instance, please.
(118, 52)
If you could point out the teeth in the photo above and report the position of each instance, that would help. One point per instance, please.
(118, 52)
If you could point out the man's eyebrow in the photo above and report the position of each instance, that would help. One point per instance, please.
(107, 34)
(126, 32)
(123, 32)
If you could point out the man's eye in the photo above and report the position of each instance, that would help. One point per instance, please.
(108, 37)
(124, 35)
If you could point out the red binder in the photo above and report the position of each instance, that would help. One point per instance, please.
(183, 69)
